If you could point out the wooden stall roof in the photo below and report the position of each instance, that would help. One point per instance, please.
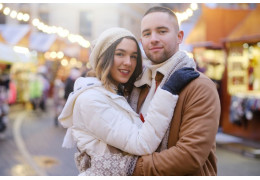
(214, 25)
(248, 30)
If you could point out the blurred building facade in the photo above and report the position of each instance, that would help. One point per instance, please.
(58, 53)
(86, 19)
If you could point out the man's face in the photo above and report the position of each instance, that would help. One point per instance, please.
(160, 38)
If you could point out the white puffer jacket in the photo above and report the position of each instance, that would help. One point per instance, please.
(97, 118)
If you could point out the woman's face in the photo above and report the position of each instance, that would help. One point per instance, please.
(125, 60)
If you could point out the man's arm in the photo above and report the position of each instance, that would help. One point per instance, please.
(201, 112)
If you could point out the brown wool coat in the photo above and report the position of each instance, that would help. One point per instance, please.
(191, 143)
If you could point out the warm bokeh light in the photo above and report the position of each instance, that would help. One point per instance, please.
(13, 14)
(183, 16)
(64, 33)
(60, 55)
(194, 6)
(64, 62)
(6, 11)
(20, 49)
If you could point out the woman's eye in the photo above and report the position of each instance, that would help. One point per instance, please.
(119, 54)
(146, 34)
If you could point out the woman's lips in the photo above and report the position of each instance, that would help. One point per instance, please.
(124, 72)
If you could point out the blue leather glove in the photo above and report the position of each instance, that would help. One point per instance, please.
(179, 79)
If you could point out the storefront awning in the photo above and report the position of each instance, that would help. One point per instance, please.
(9, 56)
(248, 30)
(13, 34)
(214, 25)
(41, 42)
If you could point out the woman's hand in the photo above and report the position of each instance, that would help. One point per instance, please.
(179, 79)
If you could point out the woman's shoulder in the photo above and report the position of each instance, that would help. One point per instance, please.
(83, 82)
(92, 90)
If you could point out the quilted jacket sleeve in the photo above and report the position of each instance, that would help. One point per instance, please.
(111, 125)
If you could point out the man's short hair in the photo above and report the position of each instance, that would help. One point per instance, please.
(164, 10)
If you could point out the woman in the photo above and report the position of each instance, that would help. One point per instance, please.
(98, 116)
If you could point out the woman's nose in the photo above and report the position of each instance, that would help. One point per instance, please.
(127, 60)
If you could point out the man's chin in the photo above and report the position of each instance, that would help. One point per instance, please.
(157, 60)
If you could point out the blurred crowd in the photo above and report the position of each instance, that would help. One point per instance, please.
(32, 89)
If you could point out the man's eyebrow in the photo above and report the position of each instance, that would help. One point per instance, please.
(159, 27)
(162, 27)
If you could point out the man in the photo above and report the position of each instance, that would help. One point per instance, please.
(189, 146)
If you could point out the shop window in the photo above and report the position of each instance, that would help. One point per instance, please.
(243, 68)
(2, 19)
(237, 73)
(44, 16)
(211, 62)
(86, 23)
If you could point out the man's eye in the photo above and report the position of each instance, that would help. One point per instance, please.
(162, 32)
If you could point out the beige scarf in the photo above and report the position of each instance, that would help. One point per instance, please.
(179, 60)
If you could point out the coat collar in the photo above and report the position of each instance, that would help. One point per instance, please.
(150, 71)
(179, 59)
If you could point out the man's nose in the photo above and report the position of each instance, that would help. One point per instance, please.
(154, 38)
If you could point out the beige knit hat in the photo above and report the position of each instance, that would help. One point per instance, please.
(103, 42)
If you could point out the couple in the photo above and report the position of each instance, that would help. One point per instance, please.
(160, 120)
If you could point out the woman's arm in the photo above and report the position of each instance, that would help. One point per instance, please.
(111, 125)
(115, 125)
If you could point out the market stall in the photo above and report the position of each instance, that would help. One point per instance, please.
(242, 83)
(206, 39)
(14, 52)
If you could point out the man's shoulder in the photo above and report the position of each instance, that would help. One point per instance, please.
(201, 85)
(203, 79)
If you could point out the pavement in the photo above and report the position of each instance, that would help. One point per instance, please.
(32, 147)
(237, 156)
(242, 146)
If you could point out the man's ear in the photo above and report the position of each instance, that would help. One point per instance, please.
(180, 36)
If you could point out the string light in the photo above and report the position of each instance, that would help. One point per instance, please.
(64, 62)
(61, 32)
(20, 16)
(187, 14)
(6, 11)
(194, 6)
(13, 14)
